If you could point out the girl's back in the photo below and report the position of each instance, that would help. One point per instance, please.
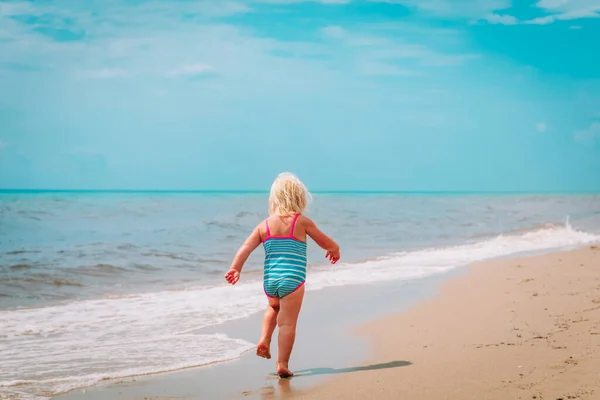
(284, 226)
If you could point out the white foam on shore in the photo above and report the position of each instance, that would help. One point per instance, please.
(51, 350)
(86, 362)
(422, 263)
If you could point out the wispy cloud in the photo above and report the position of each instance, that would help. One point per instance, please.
(380, 54)
(335, 32)
(565, 10)
(549, 19)
(502, 19)
(590, 135)
(2, 144)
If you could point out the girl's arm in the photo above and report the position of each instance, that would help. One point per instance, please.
(250, 244)
(324, 241)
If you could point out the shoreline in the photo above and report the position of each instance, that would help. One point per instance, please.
(522, 328)
(321, 356)
(322, 347)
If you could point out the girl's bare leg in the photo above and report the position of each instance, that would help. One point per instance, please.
(268, 326)
(288, 317)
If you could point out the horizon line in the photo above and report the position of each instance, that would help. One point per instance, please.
(345, 191)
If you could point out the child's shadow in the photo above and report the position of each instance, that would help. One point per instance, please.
(331, 371)
(284, 387)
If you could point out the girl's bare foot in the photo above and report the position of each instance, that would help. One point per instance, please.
(263, 350)
(283, 371)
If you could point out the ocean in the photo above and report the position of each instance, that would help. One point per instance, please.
(99, 285)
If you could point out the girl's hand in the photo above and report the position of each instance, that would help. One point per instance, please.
(232, 276)
(333, 256)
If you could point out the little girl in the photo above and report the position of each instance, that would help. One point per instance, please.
(283, 235)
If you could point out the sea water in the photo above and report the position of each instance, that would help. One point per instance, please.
(95, 286)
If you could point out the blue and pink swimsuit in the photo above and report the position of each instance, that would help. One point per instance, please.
(285, 263)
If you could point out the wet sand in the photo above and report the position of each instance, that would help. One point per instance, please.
(325, 347)
(524, 328)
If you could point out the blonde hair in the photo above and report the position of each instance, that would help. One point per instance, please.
(288, 195)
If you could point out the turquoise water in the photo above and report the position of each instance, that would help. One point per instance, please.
(98, 284)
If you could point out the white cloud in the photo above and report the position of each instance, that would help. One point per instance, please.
(549, 19)
(383, 49)
(334, 31)
(575, 27)
(541, 20)
(590, 135)
(194, 70)
(564, 4)
(541, 127)
(552, 3)
(582, 13)
(564, 10)
(105, 73)
(502, 19)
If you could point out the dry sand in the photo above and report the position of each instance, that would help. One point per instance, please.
(524, 328)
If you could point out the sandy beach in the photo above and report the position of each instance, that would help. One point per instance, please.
(524, 328)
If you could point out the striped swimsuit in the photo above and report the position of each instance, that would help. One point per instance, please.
(285, 263)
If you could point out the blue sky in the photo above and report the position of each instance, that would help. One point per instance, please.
(348, 94)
